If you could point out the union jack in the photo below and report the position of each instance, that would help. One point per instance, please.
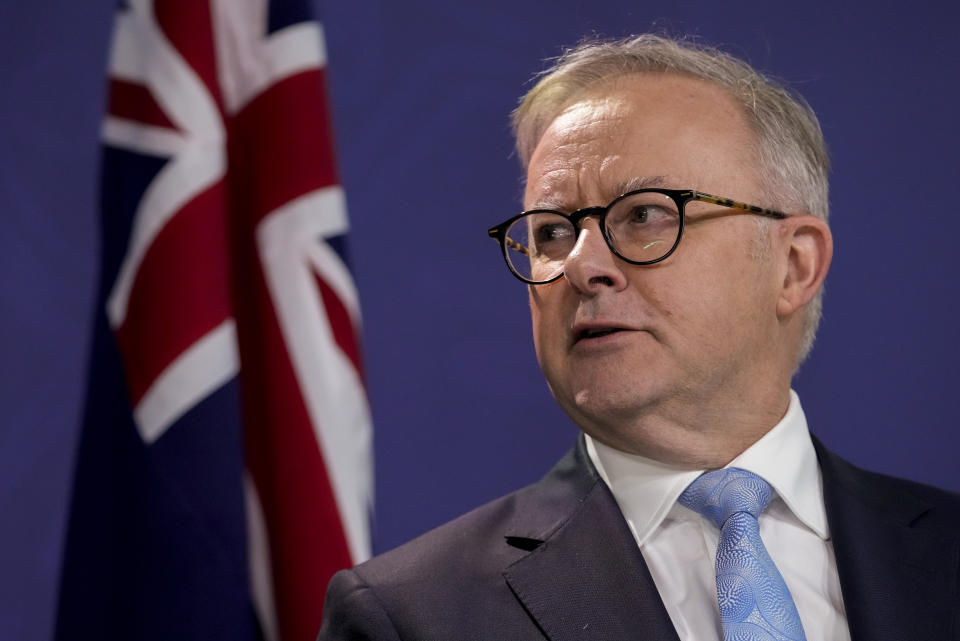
(224, 471)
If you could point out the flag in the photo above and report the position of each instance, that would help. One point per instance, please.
(224, 466)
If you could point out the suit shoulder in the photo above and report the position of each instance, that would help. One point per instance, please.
(353, 611)
(433, 587)
(925, 506)
(472, 544)
(451, 579)
(489, 538)
(943, 505)
(475, 528)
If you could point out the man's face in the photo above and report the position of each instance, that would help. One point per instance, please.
(697, 332)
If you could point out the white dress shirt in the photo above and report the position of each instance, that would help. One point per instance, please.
(679, 545)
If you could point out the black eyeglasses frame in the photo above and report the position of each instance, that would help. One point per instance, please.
(679, 196)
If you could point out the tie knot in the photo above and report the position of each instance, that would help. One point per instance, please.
(719, 494)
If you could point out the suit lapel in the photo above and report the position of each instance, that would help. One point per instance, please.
(898, 582)
(587, 579)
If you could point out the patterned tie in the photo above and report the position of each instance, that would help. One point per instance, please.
(755, 604)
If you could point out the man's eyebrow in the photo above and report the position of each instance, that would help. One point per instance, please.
(640, 182)
(548, 203)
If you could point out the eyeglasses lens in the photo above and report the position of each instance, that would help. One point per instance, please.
(643, 227)
(538, 244)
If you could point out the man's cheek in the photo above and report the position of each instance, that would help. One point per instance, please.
(541, 345)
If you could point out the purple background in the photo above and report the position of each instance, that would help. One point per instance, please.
(421, 93)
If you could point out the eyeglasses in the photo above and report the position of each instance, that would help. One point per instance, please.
(641, 227)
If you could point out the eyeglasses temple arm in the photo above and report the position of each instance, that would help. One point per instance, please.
(736, 204)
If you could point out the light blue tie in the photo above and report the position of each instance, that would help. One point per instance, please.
(755, 603)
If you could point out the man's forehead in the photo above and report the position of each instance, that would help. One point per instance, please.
(577, 163)
(636, 132)
(590, 108)
(564, 195)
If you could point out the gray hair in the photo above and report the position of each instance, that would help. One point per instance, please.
(792, 155)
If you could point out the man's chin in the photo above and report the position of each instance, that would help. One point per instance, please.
(612, 407)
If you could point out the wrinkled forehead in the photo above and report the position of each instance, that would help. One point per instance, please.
(577, 146)
(640, 131)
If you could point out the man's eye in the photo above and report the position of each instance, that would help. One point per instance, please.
(646, 214)
(550, 233)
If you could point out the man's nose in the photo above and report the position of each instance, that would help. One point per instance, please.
(591, 265)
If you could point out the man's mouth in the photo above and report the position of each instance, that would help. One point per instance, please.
(598, 332)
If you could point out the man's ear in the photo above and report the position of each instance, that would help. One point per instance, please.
(807, 248)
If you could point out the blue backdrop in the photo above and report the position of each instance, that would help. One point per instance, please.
(421, 93)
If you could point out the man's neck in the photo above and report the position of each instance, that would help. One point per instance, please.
(699, 438)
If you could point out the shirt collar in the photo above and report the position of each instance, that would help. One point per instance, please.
(646, 489)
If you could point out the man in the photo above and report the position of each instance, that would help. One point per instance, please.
(675, 359)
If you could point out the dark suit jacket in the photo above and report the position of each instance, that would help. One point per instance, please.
(556, 560)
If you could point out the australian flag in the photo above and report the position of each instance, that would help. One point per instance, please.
(224, 468)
